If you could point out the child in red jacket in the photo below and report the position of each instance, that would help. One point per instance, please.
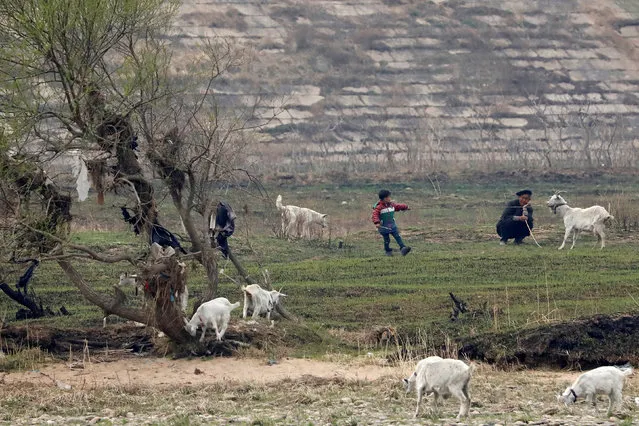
(384, 220)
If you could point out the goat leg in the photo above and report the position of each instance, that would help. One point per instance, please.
(566, 235)
(419, 401)
(223, 331)
(245, 310)
(575, 235)
(218, 336)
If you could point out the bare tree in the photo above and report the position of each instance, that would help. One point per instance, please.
(97, 76)
(587, 122)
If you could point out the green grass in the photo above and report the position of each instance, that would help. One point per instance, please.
(356, 287)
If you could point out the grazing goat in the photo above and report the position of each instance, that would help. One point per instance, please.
(602, 380)
(442, 377)
(260, 301)
(215, 313)
(297, 221)
(120, 297)
(576, 220)
(129, 280)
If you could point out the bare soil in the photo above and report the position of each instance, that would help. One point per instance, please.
(157, 372)
(148, 390)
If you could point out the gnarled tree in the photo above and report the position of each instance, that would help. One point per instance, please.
(95, 79)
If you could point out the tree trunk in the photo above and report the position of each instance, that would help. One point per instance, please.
(167, 318)
(207, 259)
(165, 161)
(103, 301)
(128, 167)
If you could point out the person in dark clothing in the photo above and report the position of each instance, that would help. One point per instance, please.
(222, 226)
(516, 215)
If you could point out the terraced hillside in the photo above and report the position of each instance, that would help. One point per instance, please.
(424, 85)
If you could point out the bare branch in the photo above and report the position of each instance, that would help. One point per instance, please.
(92, 254)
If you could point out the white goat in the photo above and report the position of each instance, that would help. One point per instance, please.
(129, 280)
(297, 221)
(576, 220)
(442, 377)
(602, 380)
(125, 280)
(215, 313)
(260, 301)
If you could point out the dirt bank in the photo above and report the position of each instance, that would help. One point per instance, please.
(155, 372)
(587, 343)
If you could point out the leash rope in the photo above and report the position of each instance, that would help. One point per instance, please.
(524, 212)
(531, 234)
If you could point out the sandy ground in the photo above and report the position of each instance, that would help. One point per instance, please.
(159, 391)
(154, 372)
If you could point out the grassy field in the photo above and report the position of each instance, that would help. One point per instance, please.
(354, 288)
(341, 294)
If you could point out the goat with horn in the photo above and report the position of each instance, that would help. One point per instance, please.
(577, 220)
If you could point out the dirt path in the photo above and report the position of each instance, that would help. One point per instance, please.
(154, 372)
(245, 391)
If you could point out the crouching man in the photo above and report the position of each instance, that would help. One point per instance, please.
(517, 219)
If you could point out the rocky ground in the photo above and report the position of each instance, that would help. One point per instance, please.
(250, 391)
(446, 81)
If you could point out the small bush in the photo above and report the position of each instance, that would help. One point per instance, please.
(623, 208)
(231, 19)
(337, 53)
(301, 38)
(270, 44)
(236, 19)
(289, 12)
(23, 359)
(366, 38)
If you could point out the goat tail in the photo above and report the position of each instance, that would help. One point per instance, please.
(278, 202)
(235, 305)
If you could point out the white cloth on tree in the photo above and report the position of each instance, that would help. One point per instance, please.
(81, 173)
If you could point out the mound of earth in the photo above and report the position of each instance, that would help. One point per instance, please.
(130, 338)
(586, 343)
(58, 340)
